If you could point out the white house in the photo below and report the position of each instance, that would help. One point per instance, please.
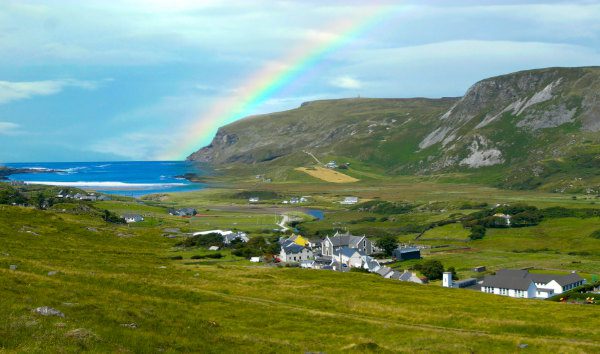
(338, 241)
(253, 199)
(130, 218)
(410, 277)
(349, 200)
(351, 257)
(521, 283)
(292, 252)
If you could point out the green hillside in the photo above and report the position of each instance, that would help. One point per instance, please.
(526, 130)
(121, 291)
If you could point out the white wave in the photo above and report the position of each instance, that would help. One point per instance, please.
(109, 185)
(38, 169)
(105, 165)
(74, 169)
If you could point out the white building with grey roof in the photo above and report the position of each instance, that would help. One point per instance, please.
(521, 283)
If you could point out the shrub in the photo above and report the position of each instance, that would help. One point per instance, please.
(212, 255)
(595, 234)
(431, 268)
(175, 258)
(477, 232)
(388, 244)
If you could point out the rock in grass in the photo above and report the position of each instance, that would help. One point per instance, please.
(131, 325)
(13, 267)
(53, 272)
(48, 311)
(523, 345)
(80, 333)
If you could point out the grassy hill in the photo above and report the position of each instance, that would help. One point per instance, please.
(525, 130)
(121, 289)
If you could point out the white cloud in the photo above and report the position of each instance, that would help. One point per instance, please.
(139, 146)
(13, 91)
(7, 128)
(346, 82)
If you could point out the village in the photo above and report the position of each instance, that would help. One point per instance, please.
(345, 252)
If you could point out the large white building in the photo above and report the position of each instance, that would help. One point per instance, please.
(521, 283)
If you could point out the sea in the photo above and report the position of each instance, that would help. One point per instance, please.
(134, 179)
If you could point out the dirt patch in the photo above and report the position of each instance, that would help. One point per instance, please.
(327, 175)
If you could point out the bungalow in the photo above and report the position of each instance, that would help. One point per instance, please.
(89, 197)
(331, 164)
(521, 283)
(228, 236)
(405, 253)
(131, 218)
(349, 201)
(231, 236)
(291, 252)
(411, 277)
(385, 272)
(338, 241)
(253, 199)
(183, 212)
(448, 281)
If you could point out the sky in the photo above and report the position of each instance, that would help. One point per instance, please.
(100, 80)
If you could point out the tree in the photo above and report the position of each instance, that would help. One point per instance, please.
(40, 201)
(388, 244)
(477, 232)
(431, 268)
(453, 271)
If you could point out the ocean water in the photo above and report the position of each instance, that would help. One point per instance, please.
(124, 178)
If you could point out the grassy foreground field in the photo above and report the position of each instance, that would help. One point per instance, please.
(120, 291)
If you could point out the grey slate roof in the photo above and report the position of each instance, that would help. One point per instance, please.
(508, 279)
(405, 276)
(383, 271)
(520, 279)
(349, 252)
(292, 248)
(341, 240)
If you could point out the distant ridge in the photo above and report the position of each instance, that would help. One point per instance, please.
(529, 129)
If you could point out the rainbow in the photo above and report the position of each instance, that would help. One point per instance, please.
(271, 79)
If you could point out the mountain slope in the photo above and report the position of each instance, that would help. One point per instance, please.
(528, 129)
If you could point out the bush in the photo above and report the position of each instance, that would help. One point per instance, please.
(431, 268)
(477, 232)
(176, 258)
(388, 244)
(595, 234)
(213, 239)
(212, 256)
(383, 207)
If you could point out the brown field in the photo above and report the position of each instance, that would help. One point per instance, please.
(327, 175)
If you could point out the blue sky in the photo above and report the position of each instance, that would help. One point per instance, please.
(96, 80)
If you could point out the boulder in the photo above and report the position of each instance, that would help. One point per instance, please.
(48, 311)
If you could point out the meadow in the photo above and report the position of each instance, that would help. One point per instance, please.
(120, 290)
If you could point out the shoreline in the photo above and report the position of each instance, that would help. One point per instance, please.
(6, 172)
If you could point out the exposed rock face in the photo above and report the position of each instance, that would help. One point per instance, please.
(481, 154)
